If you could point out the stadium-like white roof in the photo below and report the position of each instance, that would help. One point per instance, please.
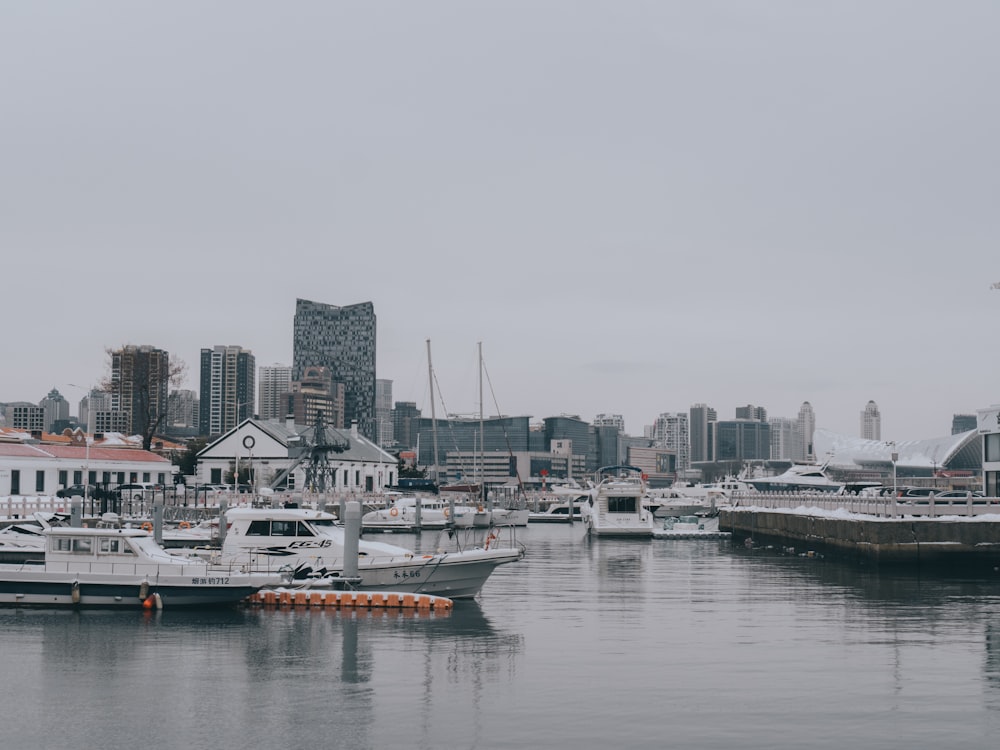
(961, 451)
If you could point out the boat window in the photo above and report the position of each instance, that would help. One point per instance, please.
(259, 528)
(108, 546)
(282, 528)
(62, 544)
(83, 545)
(303, 530)
(622, 504)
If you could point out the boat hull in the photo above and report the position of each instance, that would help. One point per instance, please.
(41, 588)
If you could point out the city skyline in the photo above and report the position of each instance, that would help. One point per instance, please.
(634, 207)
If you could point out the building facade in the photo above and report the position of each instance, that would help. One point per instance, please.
(273, 383)
(742, 440)
(183, 412)
(807, 430)
(786, 442)
(228, 375)
(56, 409)
(316, 393)
(343, 340)
(963, 423)
(871, 422)
(671, 431)
(701, 423)
(383, 413)
(140, 376)
(988, 422)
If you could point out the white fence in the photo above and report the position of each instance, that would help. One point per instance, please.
(882, 507)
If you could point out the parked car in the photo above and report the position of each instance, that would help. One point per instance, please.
(78, 490)
(138, 491)
(957, 494)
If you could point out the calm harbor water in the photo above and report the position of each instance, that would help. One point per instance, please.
(604, 643)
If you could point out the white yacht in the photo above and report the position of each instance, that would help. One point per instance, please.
(617, 504)
(401, 515)
(798, 478)
(311, 543)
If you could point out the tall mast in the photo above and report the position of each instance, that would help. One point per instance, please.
(434, 424)
(482, 457)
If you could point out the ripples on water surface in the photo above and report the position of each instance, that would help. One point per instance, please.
(632, 644)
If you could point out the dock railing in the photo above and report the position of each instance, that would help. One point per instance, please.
(880, 507)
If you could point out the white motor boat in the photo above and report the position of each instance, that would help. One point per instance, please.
(617, 506)
(311, 543)
(401, 515)
(111, 566)
(558, 513)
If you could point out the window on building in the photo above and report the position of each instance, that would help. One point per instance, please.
(77, 477)
(15, 481)
(63, 476)
(216, 476)
(39, 481)
(145, 476)
(991, 447)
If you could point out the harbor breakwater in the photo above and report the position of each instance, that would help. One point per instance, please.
(948, 540)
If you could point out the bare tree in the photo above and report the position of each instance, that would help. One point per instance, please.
(139, 379)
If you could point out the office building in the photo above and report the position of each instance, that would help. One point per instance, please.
(671, 431)
(701, 423)
(343, 340)
(314, 393)
(742, 440)
(963, 423)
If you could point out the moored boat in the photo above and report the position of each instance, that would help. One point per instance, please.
(617, 506)
(111, 566)
(311, 543)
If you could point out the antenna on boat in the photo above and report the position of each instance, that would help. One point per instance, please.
(434, 424)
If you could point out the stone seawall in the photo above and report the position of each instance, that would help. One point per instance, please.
(907, 540)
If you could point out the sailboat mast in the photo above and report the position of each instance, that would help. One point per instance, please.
(434, 424)
(482, 458)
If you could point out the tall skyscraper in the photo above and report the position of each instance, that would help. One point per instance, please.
(807, 428)
(95, 402)
(343, 340)
(871, 422)
(313, 393)
(383, 412)
(701, 422)
(139, 379)
(56, 409)
(227, 388)
(274, 382)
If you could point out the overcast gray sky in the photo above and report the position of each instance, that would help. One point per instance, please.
(635, 206)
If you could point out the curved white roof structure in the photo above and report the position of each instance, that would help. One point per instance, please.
(962, 451)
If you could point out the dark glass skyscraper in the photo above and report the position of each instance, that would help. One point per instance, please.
(343, 340)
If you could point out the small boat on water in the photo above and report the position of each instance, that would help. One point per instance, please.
(401, 515)
(310, 543)
(617, 506)
(690, 527)
(111, 566)
(557, 513)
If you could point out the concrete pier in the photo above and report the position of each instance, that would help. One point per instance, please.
(884, 540)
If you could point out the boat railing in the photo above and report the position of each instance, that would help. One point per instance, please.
(151, 570)
(881, 507)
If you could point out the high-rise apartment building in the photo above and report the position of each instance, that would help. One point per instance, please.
(274, 383)
(23, 415)
(94, 402)
(786, 443)
(183, 413)
(807, 428)
(228, 376)
(139, 379)
(343, 340)
(671, 431)
(701, 423)
(610, 420)
(383, 412)
(758, 413)
(56, 409)
(871, 422)
(742, 440)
